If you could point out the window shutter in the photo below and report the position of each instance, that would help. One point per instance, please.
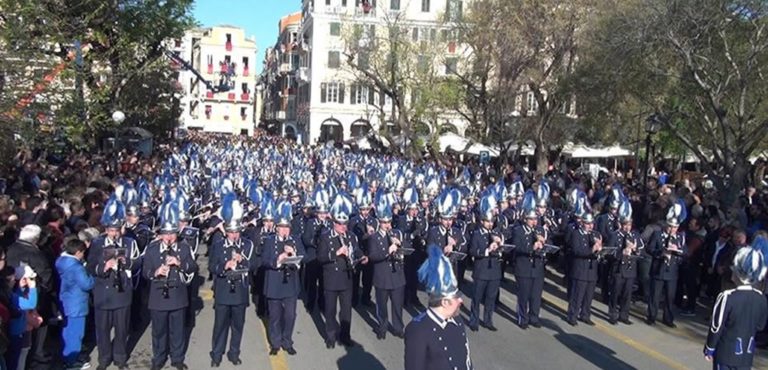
(341, 93)
(371, 95)
(323, 92)
(352, 91)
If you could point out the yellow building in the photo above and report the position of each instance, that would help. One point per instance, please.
(226, 58)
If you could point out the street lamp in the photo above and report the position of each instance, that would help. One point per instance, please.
(652, 126)
(118, 117)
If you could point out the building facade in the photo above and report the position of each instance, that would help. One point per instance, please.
(225, 58)
(325, 96)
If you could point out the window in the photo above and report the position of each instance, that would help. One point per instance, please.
(518, 103)
(363, 61)
(343, 2)
(332, 92)
(245, 88)
(327, 2)
(208, 111)
(451, 65)
(334, 60)
(361, 94)
(454, 10)
(415, 34)
(335, 29)
(394, 4)
(243, 112)
(433, 34)
(425, 5)
(423, 63)
(531, 103)
(245, 62)
(209, 59)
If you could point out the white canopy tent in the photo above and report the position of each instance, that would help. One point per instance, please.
(458, 143)
(583, 151)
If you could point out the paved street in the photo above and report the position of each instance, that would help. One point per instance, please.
(555, 346)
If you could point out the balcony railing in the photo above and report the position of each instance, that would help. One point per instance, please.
(305, 74)
(210, 69)
(285, 67)
(246, 72)
(231, 96)
(228, 45)
(365, 11)
(245, 96)
(280, 115)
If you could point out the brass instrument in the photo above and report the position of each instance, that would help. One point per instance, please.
(288, 269)
(118, 253)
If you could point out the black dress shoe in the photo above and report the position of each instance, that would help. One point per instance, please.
(399, 334)
(625, 321)
(381, 335)
(536, 324)
(179, 366)
(572, 322)
(613, 321)
(236, 361)
(491, 327)
(274, 351)
(473, 327)
(348, 343)
(154, 367)
(215, 363)
(588, 322)
(650, 322)
(330, 344)
(524, 326)
(102, 367)
(290, 351)
(670, 324)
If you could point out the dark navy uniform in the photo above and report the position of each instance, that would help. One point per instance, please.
(624, 273)
(168, 299)
(281, 288)
(583, 275)
(738, 314)
(338, 274)
(359, 226)
(438, 235)
(141, 233)
(606, 224)
(313, 273)
(388, 278)
(414, 230)
(112, 298)
(529, 273)
(231, 296)
(664, 271)
(259, 236)
(434, 343)
(487, 275)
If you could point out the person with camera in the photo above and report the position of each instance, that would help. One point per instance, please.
(23, 301)
(167, 263)
(112, 259)
(76, 284)
(282, 281)
(232, 267)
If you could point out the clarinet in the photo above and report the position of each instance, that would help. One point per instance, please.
(348, 260)
(287, 269)
(396, 257)
(166, 282)
(232, 279)
(593, 238)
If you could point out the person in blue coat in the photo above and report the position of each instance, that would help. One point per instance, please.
(76, 284)
(739, 313)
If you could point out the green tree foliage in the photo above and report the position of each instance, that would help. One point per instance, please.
(698, 65)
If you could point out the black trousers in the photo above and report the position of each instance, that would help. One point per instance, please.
(39, 357)
(486, 292)
(228, 318)
(397, 297)
(338, 329)
(605, 279)
(621, 296)
(412, 264)
(644, 277)
(529, 292)
(363, 275)
(580, 302)
(112, 349)
(168, 336)
(688, 286)
(662, 289)
(257, 289)
(313, 284)
(282, 319)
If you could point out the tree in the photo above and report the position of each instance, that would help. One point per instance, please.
(121, 64)
(699, 66)
(520, 55)
(402, 69)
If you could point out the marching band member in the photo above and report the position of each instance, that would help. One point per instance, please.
(435, 339)
(739, 313)
(232, 268)
(487, 250)
(628, 246)
(585, 245)
(281, 282)
(529, 264)
(667, 247)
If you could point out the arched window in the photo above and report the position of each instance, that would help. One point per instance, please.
(448, 127)
(360, 128)
(331, 130)
(290, 132)
(421, 128)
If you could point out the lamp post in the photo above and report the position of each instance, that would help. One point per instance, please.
(652, 126)
(118, 117)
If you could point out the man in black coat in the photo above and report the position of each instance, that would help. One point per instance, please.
(529, 271)
(313, 272)
(585, 245)
(666, 248)
(628, 245)
(414, 229)
(388, 274)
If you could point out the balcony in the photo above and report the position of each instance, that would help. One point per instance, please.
(337, 10)
(285, 67)
(228, 45)
(245, 96)
(394, 14)
(209, 94)
(231, 96)
(305, 74)
(280, 115)
(210, 69)
(224, 67)
(246, 72)
(365, 11)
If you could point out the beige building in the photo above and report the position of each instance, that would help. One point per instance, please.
(226, 58)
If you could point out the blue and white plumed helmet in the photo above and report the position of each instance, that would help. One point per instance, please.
(362, 197)
(616, 196)
(321, 199)
(437, 275)
(542, 196)
(383, 210)
(677, 214)
(529, 205)
(411, 197)
(182, 204)
(341, 209)
(516, 190)
(231, 212)
(284, 213)
(447, 203)
(169, 218)
(114, 213)
(625, 211)
(131, 201)
(267, 207)
(749, 264)
(488, 204)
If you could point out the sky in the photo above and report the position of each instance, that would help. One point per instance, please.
(259, 18)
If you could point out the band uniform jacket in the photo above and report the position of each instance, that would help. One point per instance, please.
(528, 263)
(625, 266)
(106, 295)
(665, 268)
(438, 235)
(486, 267)
(606, 224)
(236, 292)
(176, 282)
(311, 238)
(738, 314)
(434, 343)
(280, 281)
(338, 271)
(141, 233)
(584, 264)
(387, 270)
(413, 229)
